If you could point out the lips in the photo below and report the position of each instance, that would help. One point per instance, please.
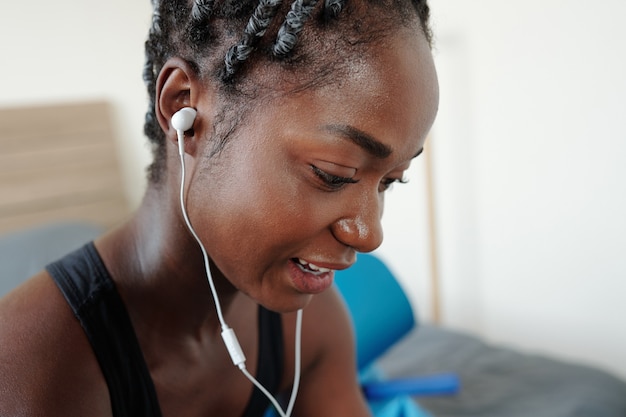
(309, 278)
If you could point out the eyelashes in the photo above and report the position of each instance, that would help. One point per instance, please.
(336, 182)
(386, 183)
(332, 182)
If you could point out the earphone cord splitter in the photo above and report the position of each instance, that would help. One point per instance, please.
(228, 334)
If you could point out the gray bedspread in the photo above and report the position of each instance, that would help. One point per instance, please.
(498, 382)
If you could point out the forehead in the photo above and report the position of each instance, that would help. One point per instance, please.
(390, 92)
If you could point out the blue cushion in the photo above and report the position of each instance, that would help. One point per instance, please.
(380, 310)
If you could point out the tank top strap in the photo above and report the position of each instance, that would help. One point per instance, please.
(89, 290)
(271, 361)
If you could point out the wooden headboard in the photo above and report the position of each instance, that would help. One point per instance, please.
(59, 163)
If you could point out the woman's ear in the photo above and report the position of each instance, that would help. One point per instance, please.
(177, 87)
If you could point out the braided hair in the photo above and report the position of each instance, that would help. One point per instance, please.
(222, 40)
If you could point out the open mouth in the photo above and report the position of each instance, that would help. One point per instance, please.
(309, 278)
(310, 268)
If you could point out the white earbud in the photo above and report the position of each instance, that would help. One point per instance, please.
(182, 121)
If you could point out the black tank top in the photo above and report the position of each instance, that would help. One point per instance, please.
(89, 290)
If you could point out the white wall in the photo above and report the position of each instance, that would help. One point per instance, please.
(69, 50)
(530, 176)
(528, 152)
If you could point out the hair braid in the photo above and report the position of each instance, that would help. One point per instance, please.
(255, 29)
(202, 9)
(332, 8)
(294, 22)
(200, 31)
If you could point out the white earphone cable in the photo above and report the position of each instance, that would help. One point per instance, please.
(230, 339)
(218, 306)
(296, 375)
(297, 363)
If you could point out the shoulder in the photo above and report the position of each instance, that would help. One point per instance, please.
(45, 357)
(328, 324)
(326, 329)
(328, 359)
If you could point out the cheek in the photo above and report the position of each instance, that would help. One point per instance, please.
(251, 206)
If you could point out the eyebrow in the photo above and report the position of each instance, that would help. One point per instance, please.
(362, 139)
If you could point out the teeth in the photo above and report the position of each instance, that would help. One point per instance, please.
(313, 267)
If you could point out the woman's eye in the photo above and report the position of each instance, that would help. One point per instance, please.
(333, 182)
(386, 183)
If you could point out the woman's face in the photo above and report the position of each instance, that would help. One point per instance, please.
(299, 189)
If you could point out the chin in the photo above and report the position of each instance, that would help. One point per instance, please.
(286, 304)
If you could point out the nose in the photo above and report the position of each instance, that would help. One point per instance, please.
(361, 229)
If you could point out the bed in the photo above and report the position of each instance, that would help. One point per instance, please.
(498, 381)
(61, 187)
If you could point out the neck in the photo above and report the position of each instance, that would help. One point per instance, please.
(159, 271)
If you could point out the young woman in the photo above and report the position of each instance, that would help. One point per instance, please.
(303, 115)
